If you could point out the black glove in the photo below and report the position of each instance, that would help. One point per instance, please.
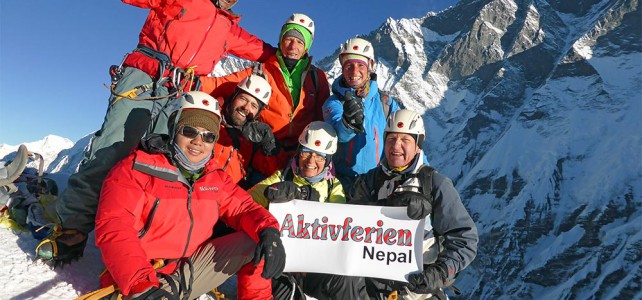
(271, 249)
(285, 191)
(260, 133)
(418, 205)
(431, 280)
(353, 113)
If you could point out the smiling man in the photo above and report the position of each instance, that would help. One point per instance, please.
(357, 110)
(299, 89)
(242, 135)
(404, 180)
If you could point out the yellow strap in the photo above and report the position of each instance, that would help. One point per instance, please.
(106, 291)
(218, 295)
(99, 294)
(189, 74)
(131, 94)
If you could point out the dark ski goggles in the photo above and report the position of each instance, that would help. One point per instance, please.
(191, 133)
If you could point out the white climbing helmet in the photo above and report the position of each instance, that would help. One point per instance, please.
(301, 20)
(407, 121)
(358, 46)
(199, 100)
(256, 86)
(320, 137)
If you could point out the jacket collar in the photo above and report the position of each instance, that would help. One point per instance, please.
(339, 90)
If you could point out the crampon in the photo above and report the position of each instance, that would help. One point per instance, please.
(61, 247)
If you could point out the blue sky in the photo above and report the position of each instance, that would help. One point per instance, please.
(54, 57)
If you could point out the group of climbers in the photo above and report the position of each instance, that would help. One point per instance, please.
(178, 150)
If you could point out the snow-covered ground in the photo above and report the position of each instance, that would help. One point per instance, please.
(23, 278)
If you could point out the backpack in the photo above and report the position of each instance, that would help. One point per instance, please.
(30, 200)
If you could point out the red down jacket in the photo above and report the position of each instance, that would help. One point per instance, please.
(146, 212)
(193, 33)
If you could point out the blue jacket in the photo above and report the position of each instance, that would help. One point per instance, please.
(357, 154)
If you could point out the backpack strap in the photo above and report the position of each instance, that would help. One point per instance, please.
(330, 186)
(425, 176)
(386, 104)
(287, 174)
(315, 79)
(379, 178)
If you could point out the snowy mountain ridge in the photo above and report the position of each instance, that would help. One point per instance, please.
(49, 147)
(533, 109)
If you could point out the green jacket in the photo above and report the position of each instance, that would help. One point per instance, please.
(336, 193)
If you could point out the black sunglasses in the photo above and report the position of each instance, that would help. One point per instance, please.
(191, 133)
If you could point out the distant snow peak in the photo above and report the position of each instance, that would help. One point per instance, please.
(48, 147)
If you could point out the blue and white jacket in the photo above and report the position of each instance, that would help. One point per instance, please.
(357, 153)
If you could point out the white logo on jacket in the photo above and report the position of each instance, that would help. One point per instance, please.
(208, 188)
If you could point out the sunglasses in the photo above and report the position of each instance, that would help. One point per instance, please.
(318, 158)
(191, 133)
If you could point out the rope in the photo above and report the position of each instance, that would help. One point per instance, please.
(109, 290)
(180, 83)
(127, 95)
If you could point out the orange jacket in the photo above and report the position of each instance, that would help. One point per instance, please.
(232, 152)
(193, 33)
(286, 121)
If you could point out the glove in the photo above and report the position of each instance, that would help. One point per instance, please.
(353, 113)
(285, 191)
(260, 133)
(418, 205)
(431, 280)
(306, 192)
(271, 249)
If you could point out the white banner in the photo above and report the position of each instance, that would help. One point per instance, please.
(355, 240)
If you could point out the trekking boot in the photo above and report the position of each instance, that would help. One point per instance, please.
(61, 247)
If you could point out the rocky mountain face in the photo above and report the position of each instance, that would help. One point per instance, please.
(533, 108)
